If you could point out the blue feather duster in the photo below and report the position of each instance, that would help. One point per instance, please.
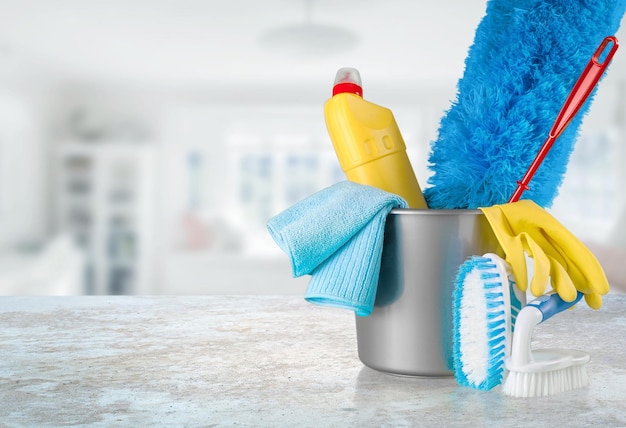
(525, 58)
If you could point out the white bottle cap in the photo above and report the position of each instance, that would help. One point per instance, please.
(348, 80)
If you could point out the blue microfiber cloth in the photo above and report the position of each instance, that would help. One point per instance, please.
(336, 236)
(525, 58)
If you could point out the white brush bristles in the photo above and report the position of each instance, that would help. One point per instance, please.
(474, 331)
(482, 321)
(541, 384)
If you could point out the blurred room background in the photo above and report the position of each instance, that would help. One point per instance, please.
(144, 144)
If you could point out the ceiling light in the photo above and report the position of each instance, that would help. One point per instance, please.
(308, 38)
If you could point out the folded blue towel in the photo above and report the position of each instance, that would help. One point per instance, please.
(336, 236)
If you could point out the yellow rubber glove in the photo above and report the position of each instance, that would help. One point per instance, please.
(556, 252)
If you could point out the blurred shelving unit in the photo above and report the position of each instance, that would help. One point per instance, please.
(105, 201)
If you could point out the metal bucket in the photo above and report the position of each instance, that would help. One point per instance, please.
(410, 330)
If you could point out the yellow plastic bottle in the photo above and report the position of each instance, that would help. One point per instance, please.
(368, 142)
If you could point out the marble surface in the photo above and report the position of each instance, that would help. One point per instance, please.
(262, 361)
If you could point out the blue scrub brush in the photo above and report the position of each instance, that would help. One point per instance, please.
(485, 304)
(525, 58)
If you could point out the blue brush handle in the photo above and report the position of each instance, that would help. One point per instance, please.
(552, 304)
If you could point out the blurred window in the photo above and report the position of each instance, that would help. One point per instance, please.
(590, 198)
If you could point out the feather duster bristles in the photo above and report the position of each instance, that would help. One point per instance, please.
(525, 58)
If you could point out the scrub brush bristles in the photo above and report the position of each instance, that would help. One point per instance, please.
(482, 321)
(546, 371)
(539, 384)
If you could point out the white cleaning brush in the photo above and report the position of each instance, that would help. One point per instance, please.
(485, 308)
(542, 372)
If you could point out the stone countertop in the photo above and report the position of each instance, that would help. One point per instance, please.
(263, 361)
